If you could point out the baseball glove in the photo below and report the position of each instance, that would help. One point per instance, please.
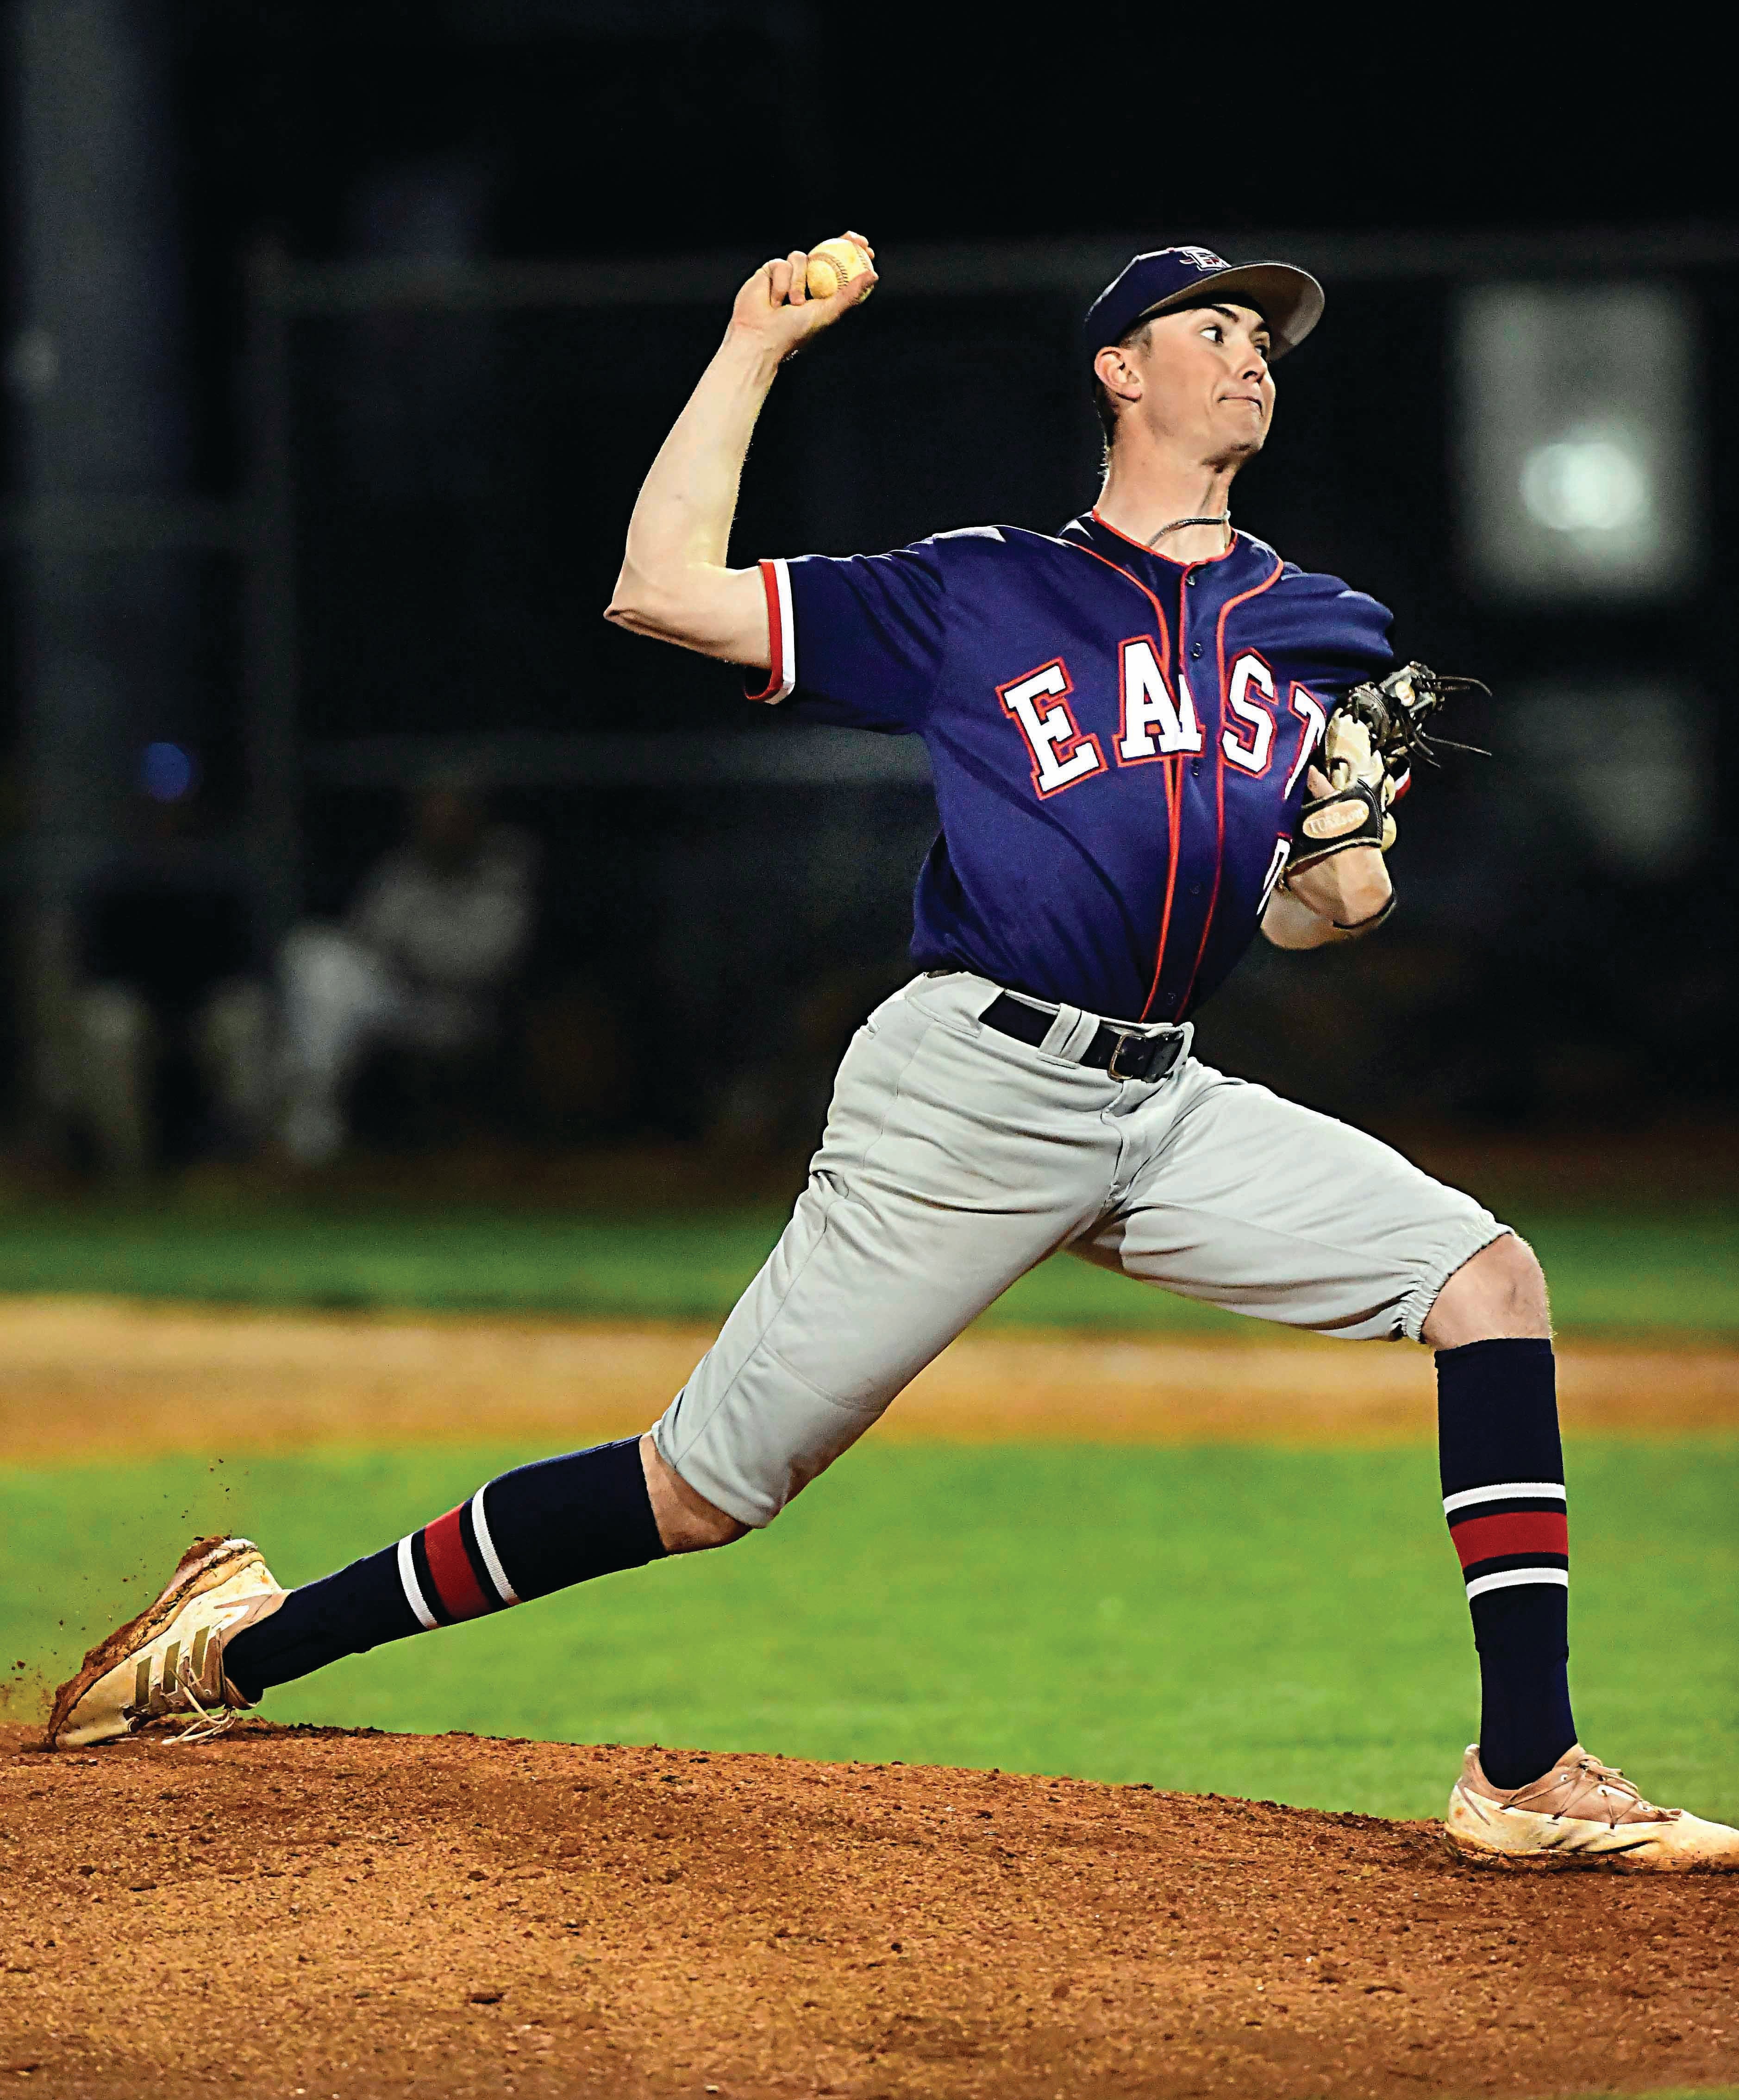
(1369, 745)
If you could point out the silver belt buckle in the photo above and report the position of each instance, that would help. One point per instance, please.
(1113, 1069)
(1156, 1042)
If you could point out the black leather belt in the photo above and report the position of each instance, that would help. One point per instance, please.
(1113, 1050)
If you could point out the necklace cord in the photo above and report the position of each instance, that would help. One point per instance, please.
(1223, 517)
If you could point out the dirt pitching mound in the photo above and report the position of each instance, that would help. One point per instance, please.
(303, 1911)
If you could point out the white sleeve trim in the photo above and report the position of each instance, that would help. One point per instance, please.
(786, 668)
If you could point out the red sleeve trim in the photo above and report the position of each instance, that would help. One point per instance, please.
(775, 578)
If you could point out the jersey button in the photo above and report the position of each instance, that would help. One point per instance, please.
(1195, 766)
(1195, 649)
(1195, 889)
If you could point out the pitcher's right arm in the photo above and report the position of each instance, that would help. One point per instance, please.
(675, 583)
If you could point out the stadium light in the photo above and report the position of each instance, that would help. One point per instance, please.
(1577, 475)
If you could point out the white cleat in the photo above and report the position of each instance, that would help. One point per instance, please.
(1581, 1812)
(170, 1659)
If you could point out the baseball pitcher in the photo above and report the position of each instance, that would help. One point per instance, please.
(1151, 738)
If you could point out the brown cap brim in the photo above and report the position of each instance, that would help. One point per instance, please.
(1289, 300)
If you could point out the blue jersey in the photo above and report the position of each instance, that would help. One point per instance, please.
(1118, 741)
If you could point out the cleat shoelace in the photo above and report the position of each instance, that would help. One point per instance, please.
(183, 1697)
(206, 1723)
(1611, 1784)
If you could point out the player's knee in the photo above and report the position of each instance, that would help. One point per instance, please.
(698, 1532)
(1500, 1294)
(1522, 1285)
(687, 1522)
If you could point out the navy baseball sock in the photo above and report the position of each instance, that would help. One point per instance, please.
(1502, 1470)
(538, 1529)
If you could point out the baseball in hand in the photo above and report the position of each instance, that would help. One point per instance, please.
(834, 263)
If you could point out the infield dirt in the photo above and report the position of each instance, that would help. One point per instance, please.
(96, 1379)
(306, 1912)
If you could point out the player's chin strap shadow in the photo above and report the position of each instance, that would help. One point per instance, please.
(1396, 711)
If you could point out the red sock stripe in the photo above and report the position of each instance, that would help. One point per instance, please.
(1521, 1532)
(450, 1566)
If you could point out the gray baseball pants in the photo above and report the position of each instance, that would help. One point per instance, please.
(955, 1158)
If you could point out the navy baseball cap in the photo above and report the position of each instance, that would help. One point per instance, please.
(1289, 300)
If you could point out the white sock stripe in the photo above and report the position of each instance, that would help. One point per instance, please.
(1552, 1490)
(486, 1546)
(1513, 1578)
(413, 1595)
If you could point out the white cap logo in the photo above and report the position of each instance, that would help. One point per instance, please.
(1204, 258)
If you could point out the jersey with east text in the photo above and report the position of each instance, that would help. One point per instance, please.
(1117, 740)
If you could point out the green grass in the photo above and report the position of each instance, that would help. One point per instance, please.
(1281, 1625)
(1608, 1270)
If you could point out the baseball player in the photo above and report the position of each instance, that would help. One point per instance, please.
(1151, 738)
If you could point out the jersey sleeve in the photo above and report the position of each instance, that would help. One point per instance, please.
(1344, 634)
(859, 640)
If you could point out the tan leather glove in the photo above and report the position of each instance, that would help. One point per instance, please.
(1350, 791)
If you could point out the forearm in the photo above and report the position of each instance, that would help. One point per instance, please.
(675, 583)
(1337, 899)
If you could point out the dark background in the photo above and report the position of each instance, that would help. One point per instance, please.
(461, 479)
